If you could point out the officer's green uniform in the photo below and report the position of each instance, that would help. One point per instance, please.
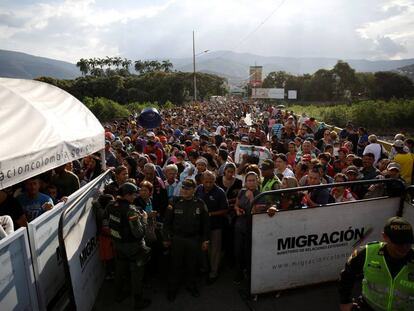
(128, 230)
(270, 184)
(186, 226)
(388, 282)
(379, 289)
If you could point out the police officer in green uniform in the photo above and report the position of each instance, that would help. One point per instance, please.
(387, 269)
(270, 180)
(186, 230)
(127, 227)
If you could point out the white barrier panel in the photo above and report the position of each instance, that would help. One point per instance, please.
(17, 284)
(308, 246)
(46, 257)
(80, 238)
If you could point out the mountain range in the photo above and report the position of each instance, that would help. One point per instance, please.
(231, 65)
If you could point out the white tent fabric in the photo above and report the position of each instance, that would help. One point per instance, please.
(42, 127)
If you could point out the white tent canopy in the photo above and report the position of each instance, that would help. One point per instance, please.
(42, 127)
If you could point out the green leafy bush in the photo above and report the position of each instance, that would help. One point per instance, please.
(396, 113)
(105, 109)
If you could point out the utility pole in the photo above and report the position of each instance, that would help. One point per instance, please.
(194, 72)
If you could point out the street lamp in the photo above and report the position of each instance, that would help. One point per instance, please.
(194, 69)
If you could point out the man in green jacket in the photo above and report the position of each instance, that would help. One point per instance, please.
(127, 227)
(387, 269)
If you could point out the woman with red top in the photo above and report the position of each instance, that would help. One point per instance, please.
(291, 155)
(340, 193)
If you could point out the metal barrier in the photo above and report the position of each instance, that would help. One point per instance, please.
(17, 283)
(79, 247)
(306, 246)
(46, 256)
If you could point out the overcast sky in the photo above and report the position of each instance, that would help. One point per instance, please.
(139, 29)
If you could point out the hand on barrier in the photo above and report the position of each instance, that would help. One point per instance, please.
(271, 211)
(63, 199)
(47, 206)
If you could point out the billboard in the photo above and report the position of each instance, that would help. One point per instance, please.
(292, 94)
(255, 74)
(271, 93)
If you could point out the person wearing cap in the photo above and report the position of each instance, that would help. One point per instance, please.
(387, 268)
(393, 152)
(405, 160)
(127, 228)
(253, 140)
(392, 189)
(186, 231)
(270, 180)
(393, 171)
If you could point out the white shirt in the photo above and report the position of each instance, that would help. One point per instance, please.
(286, 173)
(374, 148)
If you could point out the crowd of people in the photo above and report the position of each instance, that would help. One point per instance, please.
(187, 189)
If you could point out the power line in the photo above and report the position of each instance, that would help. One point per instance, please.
(254, 30)
(260, 24)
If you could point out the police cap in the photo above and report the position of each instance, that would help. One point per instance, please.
(127, 188)
(189, 184)
(399, 231)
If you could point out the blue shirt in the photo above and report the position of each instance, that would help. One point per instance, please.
(215, 200)
(33, 207)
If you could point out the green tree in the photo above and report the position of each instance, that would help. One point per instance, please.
(345, 79)
(321, 86)
(391, 84)
(276, 79)
(166, 65)
(83, 65)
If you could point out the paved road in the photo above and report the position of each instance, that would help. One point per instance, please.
(226, 296)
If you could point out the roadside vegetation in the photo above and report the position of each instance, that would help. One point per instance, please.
(379, 116)
(112, 87)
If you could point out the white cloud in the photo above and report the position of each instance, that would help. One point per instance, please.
(73, 29)
(394, 35)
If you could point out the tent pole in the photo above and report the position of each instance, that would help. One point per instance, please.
(103, 161)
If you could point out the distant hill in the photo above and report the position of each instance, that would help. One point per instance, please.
(237, 64)
(230, 65)
(407, 71)
(26, 66)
